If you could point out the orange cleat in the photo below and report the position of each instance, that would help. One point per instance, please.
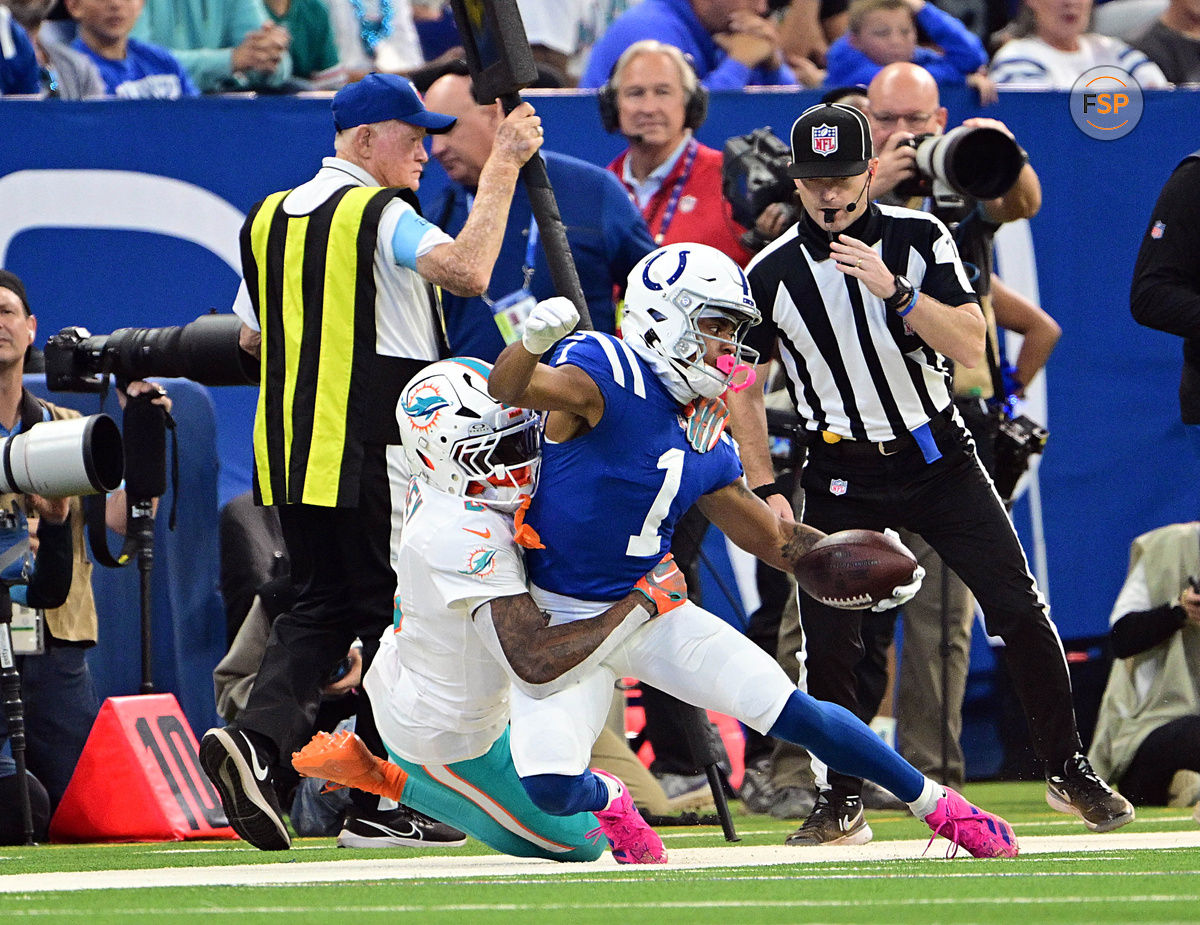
(344, 759)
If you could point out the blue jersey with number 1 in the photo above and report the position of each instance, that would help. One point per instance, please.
(608, 500)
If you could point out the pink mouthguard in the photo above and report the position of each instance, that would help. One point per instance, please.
(731, 368)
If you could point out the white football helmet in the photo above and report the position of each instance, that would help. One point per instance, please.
(669, 291)
(462, 441)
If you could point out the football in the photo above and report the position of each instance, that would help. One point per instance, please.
(855, 569)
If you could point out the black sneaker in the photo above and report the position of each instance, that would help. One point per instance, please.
(836, 819)
(243, 781)
(402, 827)
(1081, 792)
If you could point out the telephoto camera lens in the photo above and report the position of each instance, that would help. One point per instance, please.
(58, 459)
(976, 161)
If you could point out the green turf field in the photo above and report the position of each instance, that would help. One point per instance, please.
(1123, 884)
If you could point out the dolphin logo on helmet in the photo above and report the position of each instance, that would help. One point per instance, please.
(462, 441)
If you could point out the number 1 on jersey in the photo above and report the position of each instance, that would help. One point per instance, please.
(646, 543)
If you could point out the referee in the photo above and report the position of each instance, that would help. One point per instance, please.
(867, 305)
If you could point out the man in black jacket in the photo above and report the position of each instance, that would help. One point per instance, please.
(1166, 279)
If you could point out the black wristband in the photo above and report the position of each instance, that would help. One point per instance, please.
(765, 491)
(902, 296)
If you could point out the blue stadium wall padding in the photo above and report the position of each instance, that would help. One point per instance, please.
(124, 213)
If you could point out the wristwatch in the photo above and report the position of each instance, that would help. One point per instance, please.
(898, 299)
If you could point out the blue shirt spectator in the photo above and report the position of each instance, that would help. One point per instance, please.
(883, 32)
(676, 23)
(146, 72)
(606, 233)
(18, 62)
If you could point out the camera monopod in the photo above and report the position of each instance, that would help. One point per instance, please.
(145, 425)
(14, 709)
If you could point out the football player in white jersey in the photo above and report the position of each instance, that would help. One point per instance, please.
(618, 469)
(465, 625)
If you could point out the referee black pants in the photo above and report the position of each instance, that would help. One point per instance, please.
(342, 569)
(952, 505)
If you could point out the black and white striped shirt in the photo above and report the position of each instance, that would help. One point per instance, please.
(853, 367)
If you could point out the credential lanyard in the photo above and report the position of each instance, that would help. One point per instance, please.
(689, 159)
(531, 246)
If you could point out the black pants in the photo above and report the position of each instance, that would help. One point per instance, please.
(952, 505)
(341, 566)
(918, 731)
(1172, 747)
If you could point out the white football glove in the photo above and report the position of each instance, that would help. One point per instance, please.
(706, 419)
(901, 594)
(549, 322)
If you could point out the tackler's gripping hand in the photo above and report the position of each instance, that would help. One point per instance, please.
(549, 322)
(902, 594)
(706, 419)
(664, 585)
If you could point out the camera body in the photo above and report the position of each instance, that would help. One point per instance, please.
(976, 162)
(1017, 439)
(754, 175)
(206, 351)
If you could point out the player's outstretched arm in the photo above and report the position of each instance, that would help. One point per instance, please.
(541, 658)
(519, 379)
(753, 526)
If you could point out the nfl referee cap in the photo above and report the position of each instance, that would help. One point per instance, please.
(830, 140)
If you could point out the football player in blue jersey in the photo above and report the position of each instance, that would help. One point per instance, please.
(618, 469)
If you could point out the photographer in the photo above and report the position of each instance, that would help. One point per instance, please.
(1148, 729)
(866, 350)
(903, 105)
(56, 686)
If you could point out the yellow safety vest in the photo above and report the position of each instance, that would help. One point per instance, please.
(312, 284)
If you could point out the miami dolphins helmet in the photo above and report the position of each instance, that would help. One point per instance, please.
(462, 441)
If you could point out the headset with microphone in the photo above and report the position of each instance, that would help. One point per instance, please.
(830, 214)
(695, 109)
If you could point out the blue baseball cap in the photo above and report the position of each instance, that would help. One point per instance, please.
(380, 97)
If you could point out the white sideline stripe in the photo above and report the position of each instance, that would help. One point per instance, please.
(445, 867)
(574, 907)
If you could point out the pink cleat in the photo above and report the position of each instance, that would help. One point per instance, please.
(983, 834)
(632, 840)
